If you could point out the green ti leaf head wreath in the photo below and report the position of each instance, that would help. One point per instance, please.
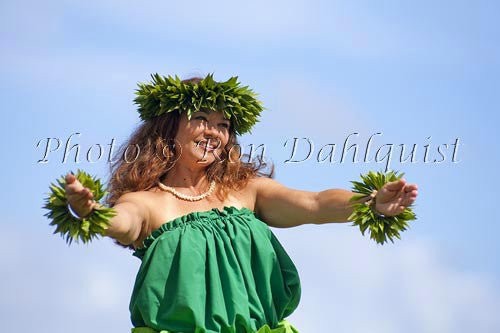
(168, 94)
(381, 227)
(70, 226)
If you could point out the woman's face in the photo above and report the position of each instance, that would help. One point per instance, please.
(202, 138)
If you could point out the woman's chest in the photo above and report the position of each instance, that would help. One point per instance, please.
(164, 207)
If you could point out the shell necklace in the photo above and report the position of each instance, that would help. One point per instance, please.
(186, 196)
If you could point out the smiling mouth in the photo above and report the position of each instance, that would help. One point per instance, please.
(203, 144)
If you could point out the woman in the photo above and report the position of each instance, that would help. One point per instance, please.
(214, 266)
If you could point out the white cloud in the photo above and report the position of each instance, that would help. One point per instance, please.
(349, 284)
(352, 285)
(50, 287)
(102, 288)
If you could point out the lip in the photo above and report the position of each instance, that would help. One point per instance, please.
(202, 144)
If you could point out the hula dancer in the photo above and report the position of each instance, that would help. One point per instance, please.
(198, 217)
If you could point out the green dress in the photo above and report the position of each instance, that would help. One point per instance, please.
(214, 272)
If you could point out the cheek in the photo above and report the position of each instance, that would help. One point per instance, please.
(186, 136)
(225, 140)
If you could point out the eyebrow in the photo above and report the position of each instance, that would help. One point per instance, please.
(224, 119)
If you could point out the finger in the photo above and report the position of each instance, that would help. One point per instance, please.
(89, 193)
(411, 195)
(74, 187)
(397, 210)
(86, 193)
(70, 182)
(407, 202)
(395, 185)
(410, 199)
(79, 195)
(70, 178)
(80, 203)
(411, 187)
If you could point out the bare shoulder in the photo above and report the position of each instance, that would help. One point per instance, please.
(254, 185)
(140, 201)
(262, 184)
(257, 183)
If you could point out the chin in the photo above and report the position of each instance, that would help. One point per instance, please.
(207, 157)
(205, 161)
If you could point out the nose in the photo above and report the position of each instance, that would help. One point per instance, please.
(211, 129)
(210, 133)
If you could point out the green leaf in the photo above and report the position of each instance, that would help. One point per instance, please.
(70, 227)
(382, 228)
(237, 103)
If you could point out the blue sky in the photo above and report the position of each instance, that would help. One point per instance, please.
(422, 73)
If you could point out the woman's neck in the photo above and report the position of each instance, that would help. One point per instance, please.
(184, 177)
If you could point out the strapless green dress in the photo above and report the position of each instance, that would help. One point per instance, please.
(214, 272)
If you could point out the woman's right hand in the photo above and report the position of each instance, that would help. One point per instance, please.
(79, 197)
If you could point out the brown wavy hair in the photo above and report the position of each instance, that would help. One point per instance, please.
(153, 152)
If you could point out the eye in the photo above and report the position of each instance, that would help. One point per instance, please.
(200, 117)
(225, 125)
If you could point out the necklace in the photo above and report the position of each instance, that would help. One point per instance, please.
(186, 196)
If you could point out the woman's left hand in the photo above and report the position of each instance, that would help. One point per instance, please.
(394, 197)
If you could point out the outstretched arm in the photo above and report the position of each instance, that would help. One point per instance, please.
(391, 199)
(131, 211)
(283, 207)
